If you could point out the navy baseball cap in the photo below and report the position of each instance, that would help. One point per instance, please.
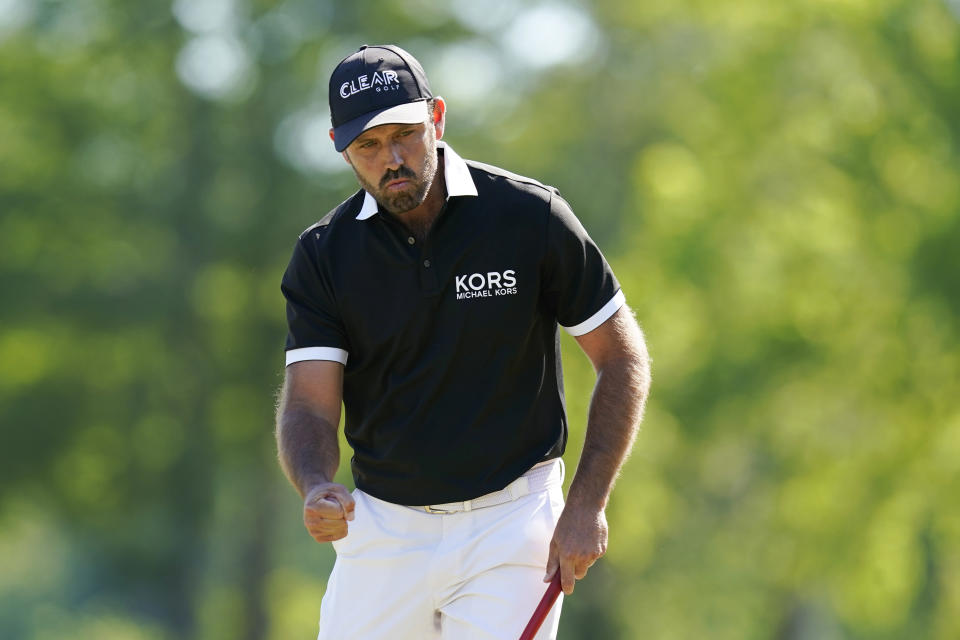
(379, 84)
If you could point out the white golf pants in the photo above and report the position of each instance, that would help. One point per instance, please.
(405, 574)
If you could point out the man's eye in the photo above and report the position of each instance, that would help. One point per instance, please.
(366, 144)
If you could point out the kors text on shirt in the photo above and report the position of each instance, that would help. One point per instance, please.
(486, 285)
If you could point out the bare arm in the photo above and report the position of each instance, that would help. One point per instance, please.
(619, 355)
(308, 415)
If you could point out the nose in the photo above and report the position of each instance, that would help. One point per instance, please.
(394, 159)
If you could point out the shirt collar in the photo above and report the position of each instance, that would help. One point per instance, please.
(456, 175)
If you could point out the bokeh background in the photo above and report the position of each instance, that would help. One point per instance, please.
(777, 185)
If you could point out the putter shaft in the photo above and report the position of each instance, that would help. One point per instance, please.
(540, 613)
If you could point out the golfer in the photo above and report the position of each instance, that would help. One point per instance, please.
(428, 304)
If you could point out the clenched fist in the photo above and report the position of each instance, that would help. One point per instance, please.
(326, 509)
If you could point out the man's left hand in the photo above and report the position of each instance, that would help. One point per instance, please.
(578, 541)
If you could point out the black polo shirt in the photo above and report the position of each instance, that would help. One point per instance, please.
(452, 382)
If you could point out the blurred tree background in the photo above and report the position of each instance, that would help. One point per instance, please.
(777, 185)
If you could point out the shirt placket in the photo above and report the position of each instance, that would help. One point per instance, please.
(429, 273)
(421, 253)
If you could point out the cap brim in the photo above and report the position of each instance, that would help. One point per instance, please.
(407, 113)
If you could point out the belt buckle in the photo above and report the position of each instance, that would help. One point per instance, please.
(430, 509)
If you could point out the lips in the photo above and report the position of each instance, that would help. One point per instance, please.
(395, 185)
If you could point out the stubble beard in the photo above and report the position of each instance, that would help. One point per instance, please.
(404, 201)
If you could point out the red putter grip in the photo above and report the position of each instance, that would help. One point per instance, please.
(546, 603)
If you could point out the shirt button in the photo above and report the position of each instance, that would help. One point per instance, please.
(426, 263)
(410, 240)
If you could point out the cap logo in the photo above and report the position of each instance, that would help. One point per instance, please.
(381, 81)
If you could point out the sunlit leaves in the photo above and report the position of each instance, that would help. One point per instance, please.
(775, 185)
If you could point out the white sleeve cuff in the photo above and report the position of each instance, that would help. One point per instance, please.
(599, 317)
(317, 353)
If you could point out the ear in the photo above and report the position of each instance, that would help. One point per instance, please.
(439, 117)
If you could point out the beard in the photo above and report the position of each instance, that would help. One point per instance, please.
(413, 195)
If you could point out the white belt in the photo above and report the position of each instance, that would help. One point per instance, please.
(539, 477)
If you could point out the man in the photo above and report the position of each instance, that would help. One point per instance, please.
(428, 303)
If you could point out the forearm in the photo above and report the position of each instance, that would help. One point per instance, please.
(307, 447)
(616, 409)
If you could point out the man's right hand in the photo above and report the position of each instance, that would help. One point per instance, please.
(326, 509)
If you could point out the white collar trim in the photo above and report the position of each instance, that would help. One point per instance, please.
(456, 175)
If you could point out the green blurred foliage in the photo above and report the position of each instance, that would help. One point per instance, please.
(776, 187)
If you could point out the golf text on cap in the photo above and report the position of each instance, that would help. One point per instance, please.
(381, 81)
(486, 285)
